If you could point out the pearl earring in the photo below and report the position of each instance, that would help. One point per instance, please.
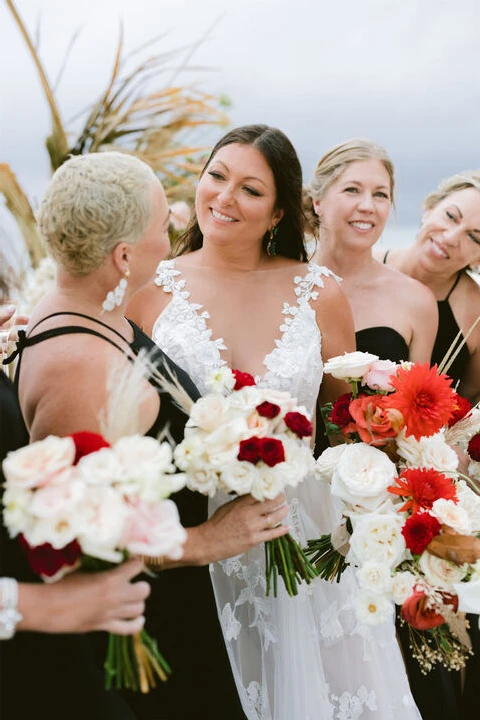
(115, 297)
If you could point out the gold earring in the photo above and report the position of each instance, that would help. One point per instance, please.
(271, 244)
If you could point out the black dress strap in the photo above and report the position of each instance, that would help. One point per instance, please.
(384, 261)
(459, 274)
(77, 314)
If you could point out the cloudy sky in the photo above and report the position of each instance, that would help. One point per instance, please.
(404, 73)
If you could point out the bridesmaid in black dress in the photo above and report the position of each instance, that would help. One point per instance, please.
(105, 221)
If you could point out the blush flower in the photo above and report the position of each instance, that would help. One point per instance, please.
(376, 422)
(425, 399)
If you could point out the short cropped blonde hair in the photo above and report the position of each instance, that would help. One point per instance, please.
(92, 203)
(460, 181)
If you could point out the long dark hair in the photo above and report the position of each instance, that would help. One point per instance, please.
(283, 161)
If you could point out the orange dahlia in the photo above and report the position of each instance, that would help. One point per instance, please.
(425, 399)
(421, 487)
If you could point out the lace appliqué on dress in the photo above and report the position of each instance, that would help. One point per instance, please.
(350, 707)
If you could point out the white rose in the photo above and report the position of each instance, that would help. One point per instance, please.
(468, 596)
(222, 445)
(441, 573)
(221, 380)
(209, 412)
(362, 475)
(100, 468)
(268, 482)
(402, 586)
(190, 453)
(474, 469)
(470, 502)
(238, 477)
(59, 531)
(432, 452)
(105, 513)
(452, 514)
(16, 511)
(350, 366)
(57, 501)
(204, 480)
(373, 609)
(377, 537)
(327, 462)
(284, 400)
(299, 460)
(36, 464)
(374, 577)
(246, 399)
(147, 467)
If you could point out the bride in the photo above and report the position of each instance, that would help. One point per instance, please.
(240, 293)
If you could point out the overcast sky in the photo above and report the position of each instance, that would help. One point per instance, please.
(404, 73)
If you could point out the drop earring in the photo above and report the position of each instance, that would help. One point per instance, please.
(115, 297)
(271, 244)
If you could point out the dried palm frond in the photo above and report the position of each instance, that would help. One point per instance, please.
(17, 203)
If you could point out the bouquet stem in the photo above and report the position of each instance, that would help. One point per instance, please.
(330, 563)
(285, 557)
(134, 663)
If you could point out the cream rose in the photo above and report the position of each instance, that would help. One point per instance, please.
(105, 514)
(377, 537)
(58, 501)
(441, 573)
(402, 586)
(327, 462)
(362, 475)
(210, 412)
(452, 514)
(238, 477)
(375, 577)
(350, 366)
(432, 452)
(36, 464)
(268, 482)
(101, 468)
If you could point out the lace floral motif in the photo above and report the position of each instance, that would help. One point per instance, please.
(351, 707)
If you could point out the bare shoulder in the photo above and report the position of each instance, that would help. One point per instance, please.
(145, 306)
(413, 293)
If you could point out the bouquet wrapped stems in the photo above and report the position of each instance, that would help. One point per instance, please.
(134, 663)
(285, 557)
(327, 559)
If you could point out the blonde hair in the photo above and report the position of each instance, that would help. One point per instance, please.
(92, 203)
(331, 166)
(460, 181)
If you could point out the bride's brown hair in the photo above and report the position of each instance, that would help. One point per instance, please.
(283, 161)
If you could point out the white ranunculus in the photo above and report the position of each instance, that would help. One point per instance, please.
(468, 596)
(327, 462)
(102, 467)
(373, 609)
(16, 510)
(452, 514)
(362, 475)
(221, 380)
(105, 514)
(350, 366)
(377, 537)
(431, 452)
(441, 573)
(209, 412)
(238, 477)
(402, 586)
(470, 502)
(374, 577)
(36, 464)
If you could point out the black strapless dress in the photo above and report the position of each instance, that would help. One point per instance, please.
(61, 676)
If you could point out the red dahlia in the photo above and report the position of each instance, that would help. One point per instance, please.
(473, 448)
(422, 487)
(419, 530)
(462, 408)
(242, 379)
(425, 399)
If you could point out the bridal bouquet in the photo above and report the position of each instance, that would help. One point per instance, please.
(243, 439)
(77, 502)
(398, 480)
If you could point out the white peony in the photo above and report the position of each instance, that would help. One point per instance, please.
(327, 462)
(452, 514)
(299, 460)
(246, 399)
(431, 452)
(373, 609)
(402, 586)
(377, 537)
(362, 475)
(375, 577)
(36, 464)
(441, 573)
(350, 366)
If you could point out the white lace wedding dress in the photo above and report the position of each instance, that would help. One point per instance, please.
(302, 658)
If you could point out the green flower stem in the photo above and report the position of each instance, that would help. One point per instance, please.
(286, 558)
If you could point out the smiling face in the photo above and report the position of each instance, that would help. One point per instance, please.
(236, 197)
(449, 236)
(355, 208)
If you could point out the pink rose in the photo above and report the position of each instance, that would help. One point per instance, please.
(378, 375)
(37, 464)
(154, 529)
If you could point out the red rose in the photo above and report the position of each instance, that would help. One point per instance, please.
(272, 451)
(473, 448)
(419, 530)
(47, 561)
(250, 450)
(340, 414)
(268, 409)
(298, 424)
(86, 443)
(416, 612)
(242, 379)
(462, 408)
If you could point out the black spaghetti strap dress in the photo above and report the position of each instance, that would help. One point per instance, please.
(181, 614)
